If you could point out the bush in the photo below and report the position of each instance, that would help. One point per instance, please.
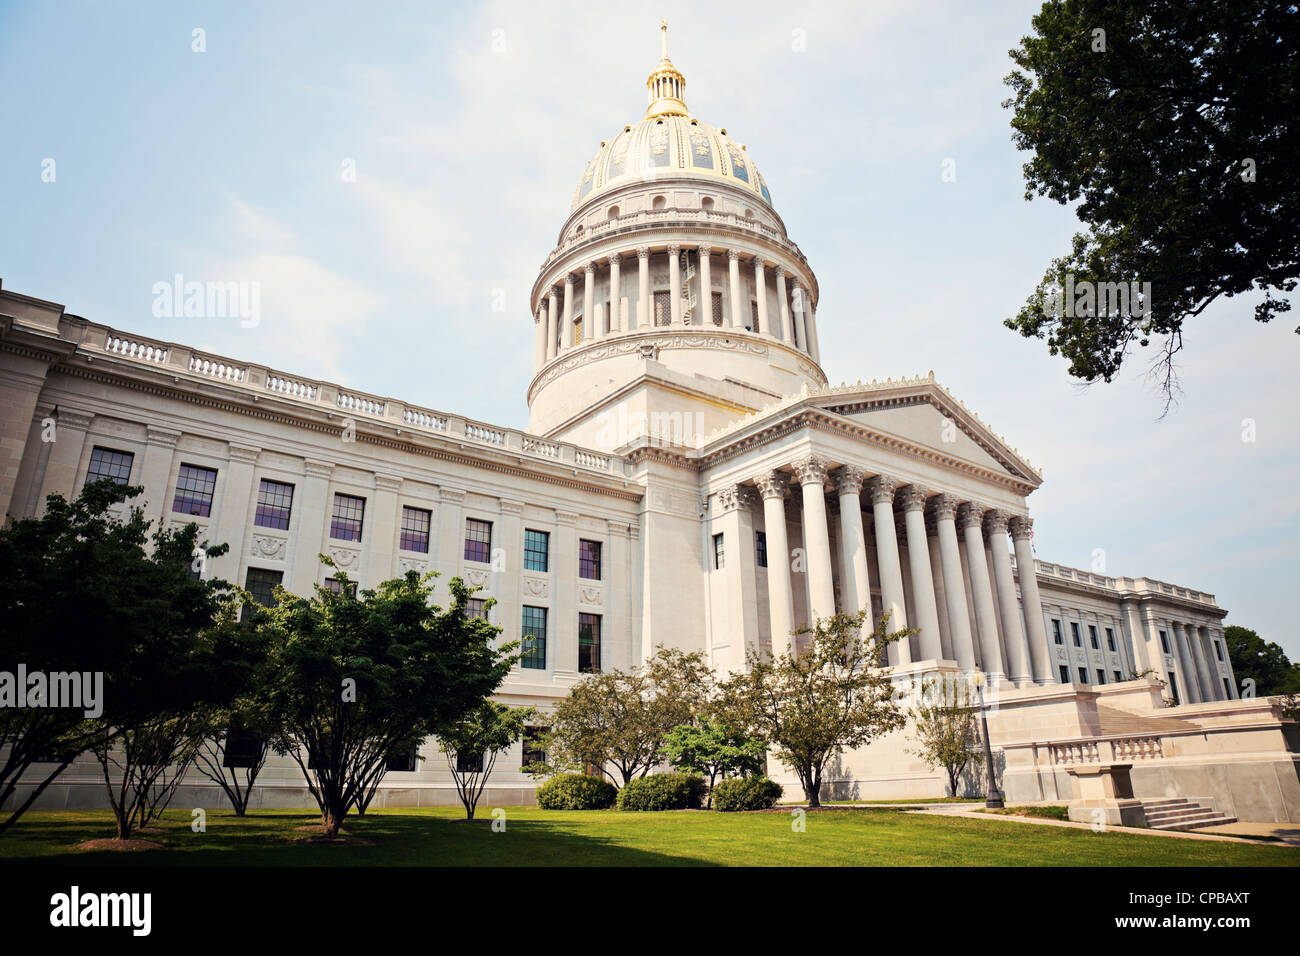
(746, 793)
(662, 791)
(576, 791)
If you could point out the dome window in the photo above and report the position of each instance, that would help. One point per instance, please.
(707, 204)
(659, 202)
(749, 214)
(612, 213)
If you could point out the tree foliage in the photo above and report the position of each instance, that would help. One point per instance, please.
(714, 749)
(946, 730)
(814, 705)
(482, 734)
(1261, 661)
(1174, 125)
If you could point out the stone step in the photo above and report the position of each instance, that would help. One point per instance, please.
(1177, 816)
(1214, 820)
(1182, 813)
(1168, 802)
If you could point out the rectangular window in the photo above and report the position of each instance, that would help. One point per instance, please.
(274, 504)
(1092, 637)
(348, 513)
(1173, 689)
(1227, 689)
(1218, 650)
(717, 308)
(1065, 674)
(241, 749)
(577, 329)
(1083, 675)
(533, 752)
(1074, 630)
(478, 540)
(753, 316)
(537, 550)
(1101, 676)
(401, 761)
(1056, 633)
(469, 762)
(1110, 639)
(335, 586)
(1118, 677)
(589, 560)
(195, 487)
(474, 608)
(1164, 642)
(111, 464)
(589, 643)
(719, 552)
(663, 308)
(760, 549)
(415, 529)
(534, 628)
(261, 585)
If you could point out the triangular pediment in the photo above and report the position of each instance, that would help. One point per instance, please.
(923, 424)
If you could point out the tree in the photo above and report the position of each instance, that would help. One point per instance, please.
(1261, 661)
(811, 706)
(89, 598)
(619, 718)
(713, 749)
(355, 675)
(945, 726)
(1175, 127)
(473, 743)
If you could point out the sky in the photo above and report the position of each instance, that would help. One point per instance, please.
(467, 127)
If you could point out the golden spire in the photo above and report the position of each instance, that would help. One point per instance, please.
(666, 85)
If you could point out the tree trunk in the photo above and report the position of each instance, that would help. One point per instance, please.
(332, 820)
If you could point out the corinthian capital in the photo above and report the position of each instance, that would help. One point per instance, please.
(674, 249)
(914, 497)
(734, 496)
(643, 252)
(613, 258)
(810, 470)
(849, 479)
(996, 521)
(771, 484)
(590, 268)
(945, 507)
(734, 255)
(1022, 527)
(971, 515)
(882, 488)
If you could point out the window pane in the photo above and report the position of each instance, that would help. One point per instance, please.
(717, 308)
(537, 550)
(348, 512)
(261, 585)
(589, 643)
(663, 311)
(719, 555)
(274, 503)
(415, 529)
(474, 608)
(589, 559)
(760, 548)
(534, 631)
(110, 464)
(335, 586)
(478, 540)
(533, 752)
(194, 490)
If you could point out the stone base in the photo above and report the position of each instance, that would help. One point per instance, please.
(1115, 812)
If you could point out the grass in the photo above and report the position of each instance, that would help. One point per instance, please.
(441, 837)
(1046, 811)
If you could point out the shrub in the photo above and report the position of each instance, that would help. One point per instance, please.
(576, 791)
(746, 793)
(662, 791)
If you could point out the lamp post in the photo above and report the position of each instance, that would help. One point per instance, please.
(992, 799)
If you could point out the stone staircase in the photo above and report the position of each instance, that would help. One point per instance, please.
(1180, 813)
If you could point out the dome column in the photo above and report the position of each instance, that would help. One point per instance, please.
(552, 323)
(591, 329)
(706, 286)
(760, 296)
(615, 300)
(800, 298)
(814, 347)
(733, 262)
(784, 306)
(566, 319)
(643, 296)
(539, 338)
(675, 285)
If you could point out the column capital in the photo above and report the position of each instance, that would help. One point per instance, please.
(614, 257)
(771, 484)
(945, 507)
(734, 255)
(568, 281)
(567, 519)
(555, 291)
(849, 479)
(510, 506)
(914, 497)
(674, 249)
(1022, 527)
(387, 483)
(882, 488)
(704, 250)
(245, 453)
(810, 470)
(996, 521)
(733, 497)
(971, 514)
(166, 437)
(72, 418)
(759, 263)
(643, 252)
(590, 268)
(780, 272)
(452, 496)
(318, 469)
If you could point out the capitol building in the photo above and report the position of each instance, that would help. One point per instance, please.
(687, 477)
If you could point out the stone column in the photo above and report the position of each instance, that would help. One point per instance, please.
(383, 540)
(855, 584)
(737, 625)
(760, 296)
(706, 287)
(645, 315)
(553, 323)
(451, 541)
(811, 472)
(591, 328)
(783, 307)
(233, 514)
(1017, 647)
(954, 588)
(313, 509)
(800, 306)
(971, 516)
(566, 594)
(1142, 658)
(1202, 668)
(881, 489)
(156, 472)
(918, 562)
(737, 314)
(21, 380)
(1040, 655)
(780, 600)
(615, 298)
(1186, 665)
(566, 317)
(675, 285)
(539, 339)
(64, 461)
(1234, 689)
(814, 347)
(1212, 676)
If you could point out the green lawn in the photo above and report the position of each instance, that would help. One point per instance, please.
(538, 837)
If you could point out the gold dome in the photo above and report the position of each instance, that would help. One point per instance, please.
(669, 143)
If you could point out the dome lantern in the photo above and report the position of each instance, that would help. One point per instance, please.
(666, 85)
